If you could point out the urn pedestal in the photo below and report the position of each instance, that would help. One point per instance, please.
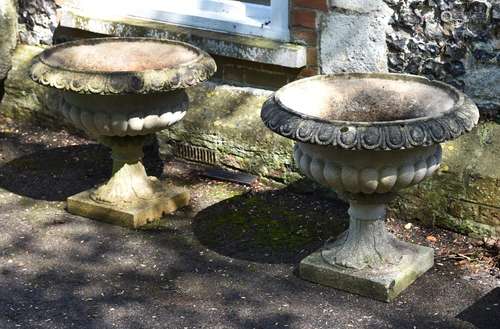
(367, 136)
(366, 258)
(118, 90)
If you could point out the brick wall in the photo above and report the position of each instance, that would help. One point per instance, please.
(305, 17)
(241, 72)
(304, 28)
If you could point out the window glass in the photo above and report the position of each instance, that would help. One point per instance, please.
(263, 18)
(259, 2)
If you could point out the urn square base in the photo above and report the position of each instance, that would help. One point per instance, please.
(132, 215)
(384, 285)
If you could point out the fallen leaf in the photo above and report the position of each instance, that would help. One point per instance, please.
(431, 238)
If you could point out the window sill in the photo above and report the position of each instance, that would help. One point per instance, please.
(249, 48)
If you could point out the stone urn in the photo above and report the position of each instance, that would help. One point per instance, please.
(118, 90)
(368, 135)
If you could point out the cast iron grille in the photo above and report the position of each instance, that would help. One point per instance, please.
(195, 153)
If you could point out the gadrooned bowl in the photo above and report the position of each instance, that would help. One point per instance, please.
(369, 111)
(368, 134)
(122, 86)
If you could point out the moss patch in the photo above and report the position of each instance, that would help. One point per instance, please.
(227, 120)
(271, 226)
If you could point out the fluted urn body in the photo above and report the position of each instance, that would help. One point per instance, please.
(118, 90)
(367, 136)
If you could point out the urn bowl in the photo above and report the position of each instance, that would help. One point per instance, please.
(369, 133)
(122, 86)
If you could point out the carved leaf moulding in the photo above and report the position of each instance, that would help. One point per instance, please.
(116, 83)
(402, 134)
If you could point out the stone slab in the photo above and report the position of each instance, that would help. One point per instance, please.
(384, 286)
(133, 215)
(255, 49)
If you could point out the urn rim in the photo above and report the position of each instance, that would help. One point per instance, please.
(420, 131)
(158, 79)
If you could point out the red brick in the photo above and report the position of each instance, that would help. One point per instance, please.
(307, 36)
(312, 56)
(308, 71)
(312, 4)
(259, 78)
(304, 18)
(233, 73)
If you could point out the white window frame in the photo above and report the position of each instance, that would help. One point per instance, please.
(228, 16)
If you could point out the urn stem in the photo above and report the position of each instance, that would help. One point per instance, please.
(129, 181)
(366, 244)
(124, 150)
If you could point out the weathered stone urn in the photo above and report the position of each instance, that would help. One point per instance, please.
(368, 136)
(118, 90)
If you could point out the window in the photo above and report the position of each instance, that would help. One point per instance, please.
(260, 2)
(265, 18)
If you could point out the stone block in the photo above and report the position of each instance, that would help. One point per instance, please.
(462, 195)
(226, 120)
(8, 35)
(489, 216)
(384, 285)
(353, 37)
(483, 190)
(132, 215)
(25, 100)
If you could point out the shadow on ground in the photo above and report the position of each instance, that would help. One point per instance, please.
(274, 226)
(92, 275)
(55, 174)
(485, 312)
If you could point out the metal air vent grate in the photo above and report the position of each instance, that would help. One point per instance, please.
(195, 153)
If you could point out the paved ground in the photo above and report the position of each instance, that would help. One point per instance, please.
(224, 262)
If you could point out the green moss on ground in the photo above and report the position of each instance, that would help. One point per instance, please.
(277, 222)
